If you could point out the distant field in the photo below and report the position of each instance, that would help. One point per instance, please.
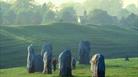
(114, 68)
(112, 41)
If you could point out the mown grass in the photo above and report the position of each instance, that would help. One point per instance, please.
(114, 68)
(112, 41)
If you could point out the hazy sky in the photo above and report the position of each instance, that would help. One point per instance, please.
(58, 2)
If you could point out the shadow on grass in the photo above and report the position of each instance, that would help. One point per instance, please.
(74, 76)
(114, 66)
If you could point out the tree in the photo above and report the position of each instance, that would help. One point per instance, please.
(48, 14)
(68, 15)
(7, 15)
(27, 13)
(131, 20)
(123, 14)
(100, 17)
(1, 19)
(49, 17)
(23, 3)
(113, 7)
(132, 8)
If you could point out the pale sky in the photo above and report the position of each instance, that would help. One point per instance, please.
(58, 2)
(127, 2)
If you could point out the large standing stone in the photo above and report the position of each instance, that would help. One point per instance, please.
(84, 52)
(38, 63)
(47, 47)
(65, 63)
(47, 58)
(98, 65)
(30, 59)
(34, 62)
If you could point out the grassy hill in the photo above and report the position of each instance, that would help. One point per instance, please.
(114, 68)
(112, 41)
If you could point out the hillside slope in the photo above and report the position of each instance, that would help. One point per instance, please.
(112, 41)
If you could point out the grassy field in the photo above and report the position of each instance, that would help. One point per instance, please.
(112, 41)
(114, 68)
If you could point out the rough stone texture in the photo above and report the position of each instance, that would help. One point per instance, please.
(98, 65)
(30, 59)
(34, 61)
(65, 63)
(47, 47)
(38, 63)
(84, 52)
(47, 58)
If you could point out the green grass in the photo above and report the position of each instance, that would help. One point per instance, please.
(114, 68)
(112, 41)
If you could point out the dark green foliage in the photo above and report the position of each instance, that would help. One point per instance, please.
(68, 15)
(100, 17)
(130, 21)
(23, 12)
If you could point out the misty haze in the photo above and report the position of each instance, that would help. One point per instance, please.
(68, 38)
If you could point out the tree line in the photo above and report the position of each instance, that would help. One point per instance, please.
(23, 12)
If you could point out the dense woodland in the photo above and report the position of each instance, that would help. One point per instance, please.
(101, 12)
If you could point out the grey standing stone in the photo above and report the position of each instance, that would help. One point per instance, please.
(84, 52)
(47, 47)
(47, 58)
(65, 63)
(98, 65)
(34, 61)
(38, 63)
(30, 59)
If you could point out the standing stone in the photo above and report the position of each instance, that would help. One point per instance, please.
(65, 63)
(98, 65)
(84, 52)
(47, 47)
(38, 63)
(34, 61)
(30, 59)
(74, 63)
(47, 58)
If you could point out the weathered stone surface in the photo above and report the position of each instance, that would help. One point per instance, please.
(98, 65)
(84, 52)
(65, 63)
(47, 58)
(38, 63)
(34, 61)
(47, 47)
(30, 59)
